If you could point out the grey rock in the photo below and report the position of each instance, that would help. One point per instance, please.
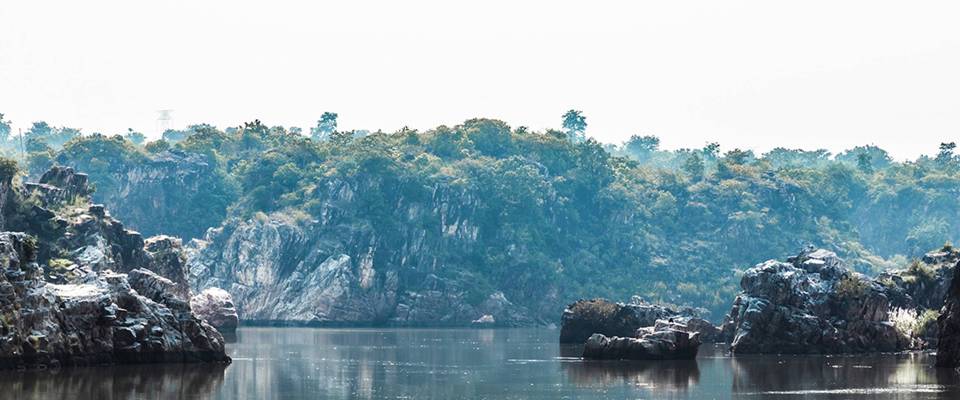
(811, 304)
(104, 320)
(485, 320)
(663, 342)
(332, 271)
(215, 306)
(948, 344)
(583, 318)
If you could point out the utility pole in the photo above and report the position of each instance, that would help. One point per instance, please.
(23, 149)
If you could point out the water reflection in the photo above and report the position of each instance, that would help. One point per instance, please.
(670, 374)
(673, 374)
(155, 381)
(304, 363)
(909, 375)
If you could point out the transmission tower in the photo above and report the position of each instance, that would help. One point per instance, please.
(164, 121)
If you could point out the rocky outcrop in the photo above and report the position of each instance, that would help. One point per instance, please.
(166, 257)
(110, 318)
(948, 344)
(338, 269)
(585, 317)
(60, 185)
(924, 283)
(71, 183)
(152, 193)
(661, 342)
(486, 320)
(811, 304)
(215, 306)
(78, 288)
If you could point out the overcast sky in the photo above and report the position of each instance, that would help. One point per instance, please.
(749, 74)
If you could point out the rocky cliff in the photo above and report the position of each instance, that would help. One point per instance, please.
(175, 193)
(347, 267)
(78, 288)
(812, 304)
(948, 349)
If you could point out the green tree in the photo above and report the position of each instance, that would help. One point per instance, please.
(575, 125)
(157, 146)
(945, 155)
(6, 139)
(642, 147)
(135, 137)
(326, 126)
(693, 166)
(864, 164)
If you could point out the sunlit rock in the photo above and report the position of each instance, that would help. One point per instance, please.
(811, 304)
(660, 343)
(215, 306)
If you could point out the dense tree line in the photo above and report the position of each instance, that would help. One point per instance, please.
(558, 210)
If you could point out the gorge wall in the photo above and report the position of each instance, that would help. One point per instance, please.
(347, 267)
(459, 223)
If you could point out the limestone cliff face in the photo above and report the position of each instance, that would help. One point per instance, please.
(154, 195)
(345, 267)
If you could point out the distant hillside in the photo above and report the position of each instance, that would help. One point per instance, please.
(435, 224)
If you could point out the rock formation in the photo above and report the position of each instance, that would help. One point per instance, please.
(662, 342)
(111, 318)
(154, 194)
(585, 317)
(811, 304)
(215, 306)
(948, 345)
(78, 288)
(335, 271)
(923, 284)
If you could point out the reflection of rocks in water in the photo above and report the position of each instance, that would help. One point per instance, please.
(753, 374)
(670, 374)
(142, 381)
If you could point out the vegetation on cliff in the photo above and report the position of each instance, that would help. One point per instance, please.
(546, 210)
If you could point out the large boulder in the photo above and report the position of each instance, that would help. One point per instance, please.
(112, 317)
(215, 306)
(811, 304)
(662, 342)
(165, 256)
(948, 346)
(585, 317)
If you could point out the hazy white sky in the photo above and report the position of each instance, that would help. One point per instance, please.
(749, 74)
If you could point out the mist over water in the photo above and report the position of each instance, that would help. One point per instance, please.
(295, 363)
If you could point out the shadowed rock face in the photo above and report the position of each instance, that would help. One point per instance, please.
(811, 304)
(948, 347)
(662, 342)
(585, 317)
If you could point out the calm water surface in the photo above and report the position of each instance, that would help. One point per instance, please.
(302, 363)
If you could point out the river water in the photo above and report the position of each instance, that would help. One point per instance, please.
(305, 363)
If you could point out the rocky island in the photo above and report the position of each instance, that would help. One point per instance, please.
(813, 303)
